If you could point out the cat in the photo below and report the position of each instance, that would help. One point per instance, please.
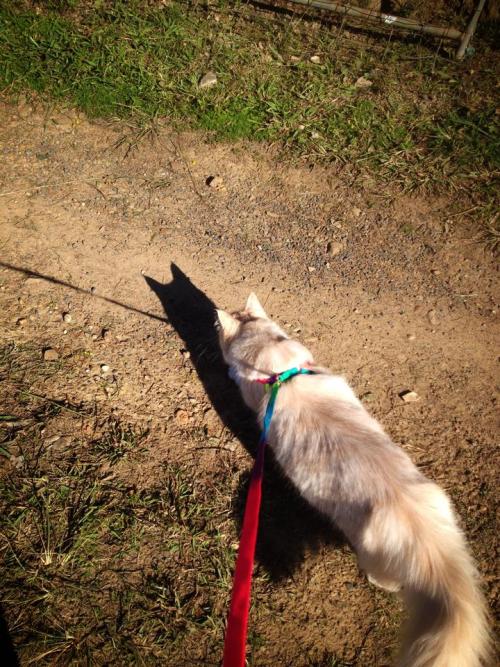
(400, 524)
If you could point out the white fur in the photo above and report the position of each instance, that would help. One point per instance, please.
(401, 525)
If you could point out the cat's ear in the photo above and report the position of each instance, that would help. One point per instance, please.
(253, 306)
(228, 325)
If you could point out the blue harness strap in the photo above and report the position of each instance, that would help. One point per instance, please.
(272, 384)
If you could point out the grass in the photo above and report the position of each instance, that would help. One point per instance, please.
(101, 567)
(424, 122)
(113, 557)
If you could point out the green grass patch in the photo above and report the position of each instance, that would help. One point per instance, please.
(424, 121)
(101, 564)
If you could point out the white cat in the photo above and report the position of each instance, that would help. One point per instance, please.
(400, 524)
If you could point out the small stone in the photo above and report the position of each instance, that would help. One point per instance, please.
(311, 269)
(315, 59)
(315, 135)
(21, 322)
(294, 59)
(50, 354)
(182, 417)
(52, 439)
(411, 336)
(215, 182)
(104, 368)
(105, 334)
(432, 317)
(67, 318)
(356, 211)
(17, 461)
(367, 397)
(63, 441)
(92, 290)
(409, 396)
(334, 248)
(212, 423)
(208, 80)
(363, 83)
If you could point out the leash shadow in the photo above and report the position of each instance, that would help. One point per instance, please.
(289, 526)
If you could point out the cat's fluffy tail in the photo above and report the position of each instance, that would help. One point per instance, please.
(421, 542)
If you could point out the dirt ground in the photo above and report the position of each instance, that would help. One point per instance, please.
(388, 289)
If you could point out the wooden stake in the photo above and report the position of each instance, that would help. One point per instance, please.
(471, 29)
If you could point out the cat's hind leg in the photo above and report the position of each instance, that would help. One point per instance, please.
(377, 573)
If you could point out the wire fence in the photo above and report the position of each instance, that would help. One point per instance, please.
(433, 23)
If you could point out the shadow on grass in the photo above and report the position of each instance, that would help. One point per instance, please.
(8, 655)
(289, 526)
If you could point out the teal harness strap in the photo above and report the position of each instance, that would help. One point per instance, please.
(272, 384)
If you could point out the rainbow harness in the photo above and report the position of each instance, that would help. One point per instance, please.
(237, 623)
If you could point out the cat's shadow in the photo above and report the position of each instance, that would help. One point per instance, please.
(289, 526)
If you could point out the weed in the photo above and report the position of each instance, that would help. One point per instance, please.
(100, 568)
(423, 121)
(117, 441)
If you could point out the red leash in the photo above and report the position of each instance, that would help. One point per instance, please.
(237, 622)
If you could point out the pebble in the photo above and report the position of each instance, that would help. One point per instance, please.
(409, 396)
(67, 317)
(334, 248)
(432, 317)
(208, 80)
(215, 182)
(182, 417)
(315, 59)
(212, 423)
(104, 368)
(411, 336)
(311, 269)
(356, 211)
(52, 439)
(21, 322)
(362, 82)
(17, 461)
(49, 354)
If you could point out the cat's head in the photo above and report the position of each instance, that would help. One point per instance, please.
(254, 346)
